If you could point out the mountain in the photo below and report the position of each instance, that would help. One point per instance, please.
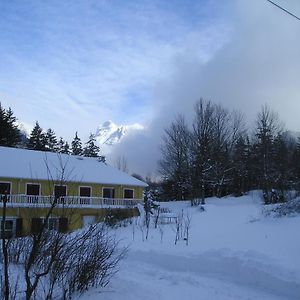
(25, 129)
(110, 134)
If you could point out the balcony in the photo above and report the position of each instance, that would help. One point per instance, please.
(67, 201)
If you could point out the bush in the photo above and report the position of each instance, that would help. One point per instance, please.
(291, 207)
(62, 265)
(119, 216)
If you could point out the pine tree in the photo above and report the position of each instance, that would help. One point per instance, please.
(282, 157)
(268, 127)
(63, 146)
(295, 165)
(66, 148)
(91, 149)
(60, 144)
(37, 139)
(51, 141)
(9, 133)
(76, 145)
(240, 166)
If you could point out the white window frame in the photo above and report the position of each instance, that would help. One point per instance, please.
(85, 186)
(111, 188)
(129, 190)
(33, 183)
(10, 185)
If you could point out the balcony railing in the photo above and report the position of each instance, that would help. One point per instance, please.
(67, 201)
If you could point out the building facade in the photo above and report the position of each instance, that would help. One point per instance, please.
(77, 191)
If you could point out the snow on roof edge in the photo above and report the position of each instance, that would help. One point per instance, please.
(19, 163)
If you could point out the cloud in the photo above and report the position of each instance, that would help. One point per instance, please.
(65, 62)
(257, 63)
(73, 65)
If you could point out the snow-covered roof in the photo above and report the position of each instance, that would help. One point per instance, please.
(40, 165)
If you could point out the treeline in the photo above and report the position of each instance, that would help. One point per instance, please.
(218, 156)
(11, 136)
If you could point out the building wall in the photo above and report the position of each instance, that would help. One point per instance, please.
(74, 215)
(18, 186)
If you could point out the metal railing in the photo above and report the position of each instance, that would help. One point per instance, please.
(74, 201)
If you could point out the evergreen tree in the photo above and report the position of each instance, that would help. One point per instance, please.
(63, 146)
(9, 133)
(91, 149)
(66, 148)
(51, 141)
(240, 166)
(60, 144)
(76, 145)
(283, 173)
(37, 139)
(268, 127)
(295, 165)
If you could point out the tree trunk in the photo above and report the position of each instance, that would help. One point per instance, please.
(5, 252)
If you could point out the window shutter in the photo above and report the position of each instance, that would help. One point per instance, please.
(36, 225)
(19, 223)
(63, 225)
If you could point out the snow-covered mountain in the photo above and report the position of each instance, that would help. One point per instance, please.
(24, 128)
(110, 134)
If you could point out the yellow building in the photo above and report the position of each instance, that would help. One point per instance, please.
(75, 190)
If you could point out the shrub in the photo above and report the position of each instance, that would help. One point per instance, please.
(117, 216)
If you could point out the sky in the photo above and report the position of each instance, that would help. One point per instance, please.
(72, 65)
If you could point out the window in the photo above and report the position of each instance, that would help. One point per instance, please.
(60, 191)
(4, 188)
(128, 193)
(9, 228)
(85, 191)
(108, 192)
(52, 224)
(32, 189)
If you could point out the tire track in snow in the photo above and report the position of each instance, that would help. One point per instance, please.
(249, 273)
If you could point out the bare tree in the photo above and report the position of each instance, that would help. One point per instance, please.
(187, 225)
(202, 137)
(228, 127)
(5, 245)
(175, 163)
(121, 164)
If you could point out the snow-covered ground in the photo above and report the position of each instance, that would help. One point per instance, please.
(234, 252)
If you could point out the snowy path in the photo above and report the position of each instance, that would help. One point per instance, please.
(149, 275)
(239, 255)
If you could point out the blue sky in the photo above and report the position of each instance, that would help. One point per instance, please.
(65, 61)
(72, 65)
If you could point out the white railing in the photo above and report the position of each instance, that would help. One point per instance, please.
(74, 201)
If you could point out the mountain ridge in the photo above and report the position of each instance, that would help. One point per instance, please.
(110, 133)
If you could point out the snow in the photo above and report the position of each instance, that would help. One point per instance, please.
(234, 252)
(39, 165)
(110, 133)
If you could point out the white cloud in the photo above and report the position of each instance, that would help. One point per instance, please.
(258, 64)
(80, 64)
